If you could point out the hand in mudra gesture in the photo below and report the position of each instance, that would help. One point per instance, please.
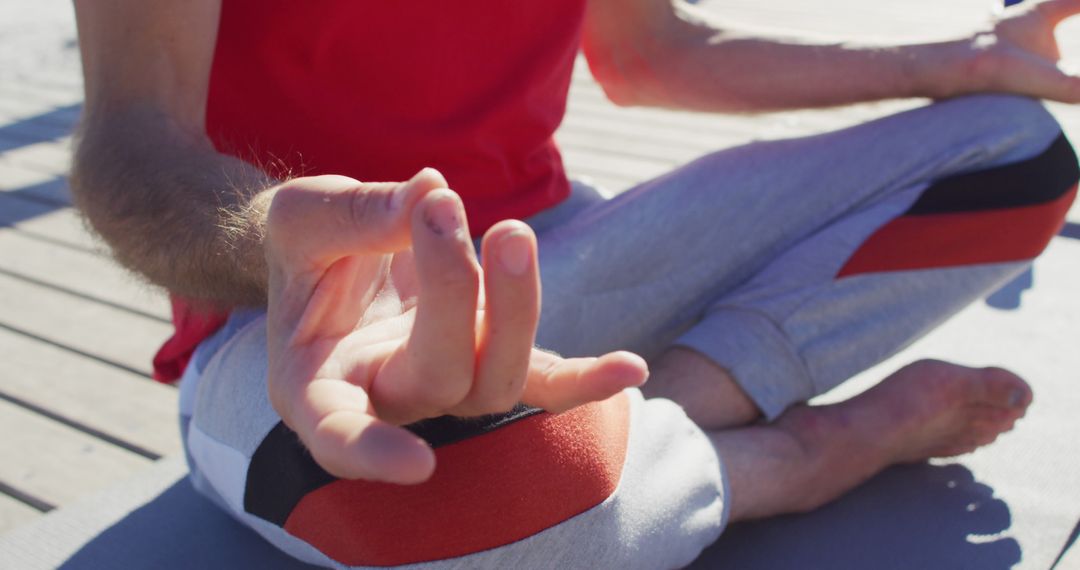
(1018, 53)
(379, 315)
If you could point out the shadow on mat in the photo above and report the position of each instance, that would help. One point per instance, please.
(919, 516)
(909, 517)
(180, 529)
(1009, 296)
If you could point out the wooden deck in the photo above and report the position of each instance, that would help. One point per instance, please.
(78, 411)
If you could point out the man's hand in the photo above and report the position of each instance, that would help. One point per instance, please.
(379, 315)
(676, 55)
(1019, 54)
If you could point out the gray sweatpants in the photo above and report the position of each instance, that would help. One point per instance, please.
(740, 254)
(794, 264)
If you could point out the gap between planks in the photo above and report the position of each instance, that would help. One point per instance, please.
(54, 463)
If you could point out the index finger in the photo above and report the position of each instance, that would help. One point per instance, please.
(315, 221)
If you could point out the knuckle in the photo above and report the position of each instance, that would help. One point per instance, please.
(437, 400)
(500, 395)
(515, 321)
(442, 390)
(287, 205)
(459, 279)
(478, 407)
(503, 402)
(366, 206)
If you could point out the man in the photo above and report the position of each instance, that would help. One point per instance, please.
(751, 279)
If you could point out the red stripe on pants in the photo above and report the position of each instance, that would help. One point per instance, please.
(486, 492)
(964, 238)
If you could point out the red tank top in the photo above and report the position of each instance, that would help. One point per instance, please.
(377, 90)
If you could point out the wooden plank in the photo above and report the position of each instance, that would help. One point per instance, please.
(614, 167)
(94, 396)
(63, 112)
(710, 131)
(619, 128)
(15, 513)
(51, 156)
(55, 463)
(38, 122)
(99, 331)
(17, 133)
(19, 179)
(67, 76)
(592, 102)
(575, 136)
(62, 118)
(51, 94)
(79, 273)
(46, 221)
(97, 277)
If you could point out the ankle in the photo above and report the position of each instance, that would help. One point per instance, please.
(835, 448)
(707, 392)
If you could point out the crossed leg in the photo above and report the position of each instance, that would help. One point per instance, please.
(759, 277)
(756, 278)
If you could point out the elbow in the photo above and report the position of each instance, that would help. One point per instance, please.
(96, 176)
(634, 75)
(96, 193)
(615, 77)
(673, 76)
(107, 180)
(89, 192)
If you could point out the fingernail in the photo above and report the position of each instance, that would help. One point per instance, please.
(443, 217)
(1015, 398)
(514, 253)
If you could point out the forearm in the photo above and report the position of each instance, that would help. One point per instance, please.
(756, 75)
(696, 65)
(172, 208)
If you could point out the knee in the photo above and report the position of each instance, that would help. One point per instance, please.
(1019, 204)
(1022, 125)
(1021, 151)
(998, 214)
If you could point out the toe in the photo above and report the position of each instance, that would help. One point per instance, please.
(1003, 389)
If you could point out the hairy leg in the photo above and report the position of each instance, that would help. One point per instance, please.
(812, 455)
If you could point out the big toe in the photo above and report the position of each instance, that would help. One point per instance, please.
(1002, 389)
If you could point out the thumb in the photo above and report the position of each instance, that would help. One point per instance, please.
(558, 384)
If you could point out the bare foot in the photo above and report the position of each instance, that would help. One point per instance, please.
(926, 409)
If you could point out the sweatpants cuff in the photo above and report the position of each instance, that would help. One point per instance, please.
(758, 355)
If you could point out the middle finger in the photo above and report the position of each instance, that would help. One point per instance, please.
(512, 285)
(440, 356)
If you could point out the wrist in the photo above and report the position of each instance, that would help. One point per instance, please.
(947, 69)
(244, 236)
